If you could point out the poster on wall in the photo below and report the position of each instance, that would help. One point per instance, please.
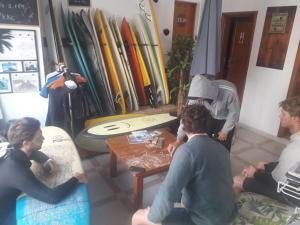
(25, 82)
(5, 84)
(17, 45)
(11, 66)
(19, 60)
(30, 66)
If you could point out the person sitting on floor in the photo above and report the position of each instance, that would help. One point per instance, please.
(200, 172)
(25, 139)
(263, 178)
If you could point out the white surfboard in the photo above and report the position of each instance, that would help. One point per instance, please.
(118, 64)
(129, 125)
(101, 61)
(125, 63)
(149, 56)
(155, 43)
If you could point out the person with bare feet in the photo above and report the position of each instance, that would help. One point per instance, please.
(263, 178)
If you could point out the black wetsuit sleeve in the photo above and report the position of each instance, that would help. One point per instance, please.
(29, 184)
(39, 157)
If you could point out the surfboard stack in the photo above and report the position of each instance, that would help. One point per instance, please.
(121, 60)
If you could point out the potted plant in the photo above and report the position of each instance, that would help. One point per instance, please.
(178, 68)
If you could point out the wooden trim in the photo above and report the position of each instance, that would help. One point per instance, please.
(296, 71)
(284, 132)
(274, 46)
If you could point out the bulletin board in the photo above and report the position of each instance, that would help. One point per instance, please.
(276, 36)
(19, 64)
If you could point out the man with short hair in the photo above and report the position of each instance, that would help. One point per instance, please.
(25, 138)
(221, 99)
(263, 178)
(200, 172)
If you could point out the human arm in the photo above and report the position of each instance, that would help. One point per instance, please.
(41, 158)
(180, 137)
(26, 182)
(180, 173)
(233, 108)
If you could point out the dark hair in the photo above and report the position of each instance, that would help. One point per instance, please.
(21, 130)
(196, 119)
(292, 106)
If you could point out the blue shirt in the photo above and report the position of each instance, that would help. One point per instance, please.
(200, 171)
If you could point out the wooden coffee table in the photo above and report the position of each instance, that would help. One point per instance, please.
(154, 161)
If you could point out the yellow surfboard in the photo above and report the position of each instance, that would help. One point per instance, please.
(115, 82)
(160, 57)
(144, 71)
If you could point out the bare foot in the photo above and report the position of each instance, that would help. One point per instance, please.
(238, 183)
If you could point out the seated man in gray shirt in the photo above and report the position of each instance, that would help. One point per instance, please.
(200, 173)
(263, 178)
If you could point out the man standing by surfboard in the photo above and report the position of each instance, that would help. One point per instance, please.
(25, 138)
(221, 99)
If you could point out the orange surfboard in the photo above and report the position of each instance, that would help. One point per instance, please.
(134, 63)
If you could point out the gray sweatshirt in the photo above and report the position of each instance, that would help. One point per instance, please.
(225, 101)
(200, 171)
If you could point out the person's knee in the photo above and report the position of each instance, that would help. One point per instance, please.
(138, 217)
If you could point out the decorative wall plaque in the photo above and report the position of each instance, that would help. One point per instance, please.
(276, 36)
(278, 23)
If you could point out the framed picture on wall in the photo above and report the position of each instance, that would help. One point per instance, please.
(25, 82)
(18, 44)
(10, 66)
(5, 83)
(31, 66)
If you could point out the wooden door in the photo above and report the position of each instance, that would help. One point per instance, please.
(184, 19)
(237, 36)
(237, 61)
(294, 88)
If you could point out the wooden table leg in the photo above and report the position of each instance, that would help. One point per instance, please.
(113, 164)
(138, 192)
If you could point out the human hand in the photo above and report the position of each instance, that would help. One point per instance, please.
(49, 166)
(238, 182)
(222, 136)
(249, 171)
(261, 165)
(173, 146)
(82, 178)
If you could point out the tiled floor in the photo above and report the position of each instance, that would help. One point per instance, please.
(111, 198)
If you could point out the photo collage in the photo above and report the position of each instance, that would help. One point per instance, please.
(19, 65)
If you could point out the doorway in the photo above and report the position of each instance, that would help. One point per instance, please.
(237, 35)
(184, 20)
(294, 89)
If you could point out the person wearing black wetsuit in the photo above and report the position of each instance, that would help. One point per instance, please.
(25, 137)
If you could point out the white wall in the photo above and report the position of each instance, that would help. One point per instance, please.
(16, 105)
(265, 87)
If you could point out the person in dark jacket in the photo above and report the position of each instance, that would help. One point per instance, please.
(200, 173)
(25, 138)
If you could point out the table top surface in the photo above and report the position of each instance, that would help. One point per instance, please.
(139, 155)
